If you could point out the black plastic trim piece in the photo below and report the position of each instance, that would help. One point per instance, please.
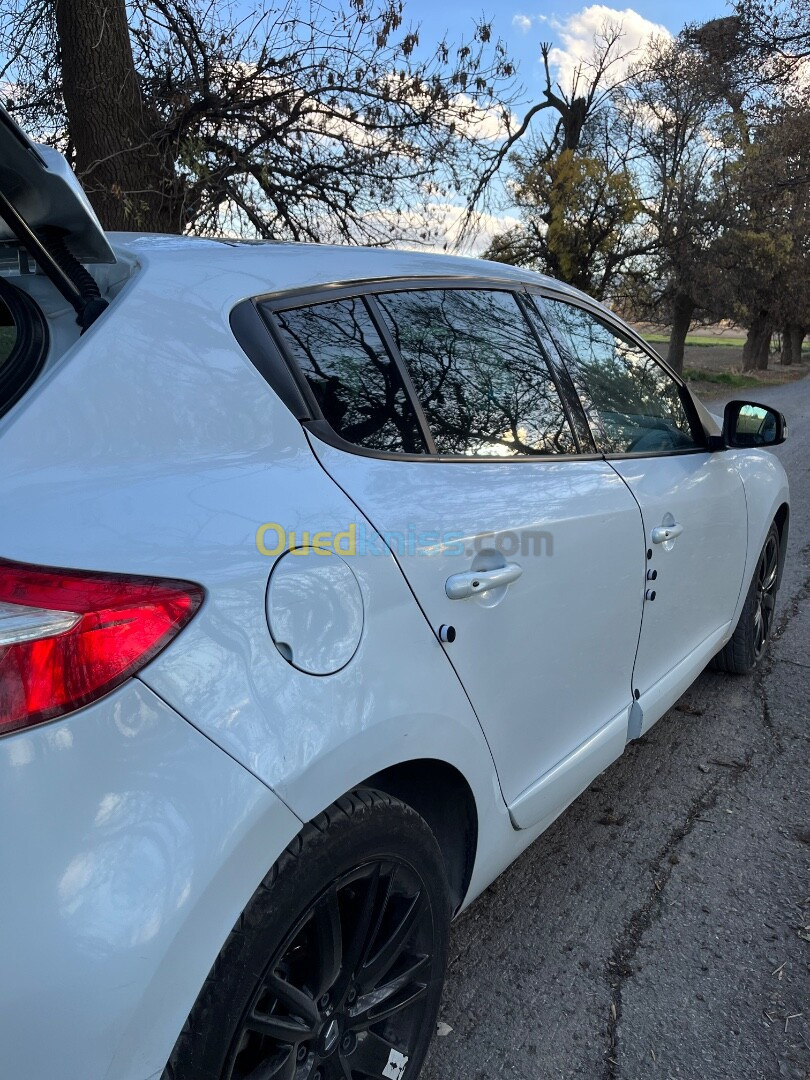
(256, 339)
(323, 431)
(572, 406)
(27, 357)
(394, 355)
(313, 294)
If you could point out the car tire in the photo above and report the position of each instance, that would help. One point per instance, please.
(335, 967)
(747, 646)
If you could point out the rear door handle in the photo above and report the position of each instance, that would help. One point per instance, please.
(662, 533)
(472, 582)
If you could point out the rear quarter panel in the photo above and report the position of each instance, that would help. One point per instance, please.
(159, 449)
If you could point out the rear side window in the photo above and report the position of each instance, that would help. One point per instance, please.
(633, 404)
(478, 372)
(23, 344)
(356, 383)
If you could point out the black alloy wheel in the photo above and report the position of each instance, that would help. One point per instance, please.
(345, 995)
(767, 578)
(755, 626)
(334, 970)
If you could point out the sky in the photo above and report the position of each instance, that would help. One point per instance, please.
(523, 24)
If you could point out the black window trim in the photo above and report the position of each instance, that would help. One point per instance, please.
(623, 330)
(572, 405)
(309, 412)
(395, 356)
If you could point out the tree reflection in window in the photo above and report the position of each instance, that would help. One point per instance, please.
(633, 404)
(478, 372)
(355, 383)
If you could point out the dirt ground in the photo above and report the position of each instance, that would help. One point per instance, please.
(713, 359)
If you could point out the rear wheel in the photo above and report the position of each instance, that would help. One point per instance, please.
(742, 653)
(335, 969)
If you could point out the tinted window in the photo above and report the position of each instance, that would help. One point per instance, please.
(632, 403)
(357, 386)
(478, 371)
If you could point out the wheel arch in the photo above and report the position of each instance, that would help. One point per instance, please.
(782, 522)
(441, 795)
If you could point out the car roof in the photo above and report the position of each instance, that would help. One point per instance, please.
(290, 266)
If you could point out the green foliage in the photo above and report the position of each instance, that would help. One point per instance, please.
(577, 210)
(721, 378)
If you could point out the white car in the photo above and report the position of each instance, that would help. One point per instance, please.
(329, 577)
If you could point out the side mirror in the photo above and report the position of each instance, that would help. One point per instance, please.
(746, 425)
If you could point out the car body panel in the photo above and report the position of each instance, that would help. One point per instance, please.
(766, 493)
(700, 572)
(575, 532)
(132, 843)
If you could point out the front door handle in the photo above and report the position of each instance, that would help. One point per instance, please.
(472, 582)
(662, 533)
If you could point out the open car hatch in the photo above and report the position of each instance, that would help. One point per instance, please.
(44, 209)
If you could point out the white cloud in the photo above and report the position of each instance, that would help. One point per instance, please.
(579, 33)
(438, 226)
(522, 23)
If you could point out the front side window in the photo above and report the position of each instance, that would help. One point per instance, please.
(633, 405)
(478, 373)
(356, 384)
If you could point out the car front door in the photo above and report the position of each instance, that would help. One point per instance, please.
(440, 418)
(692, 501)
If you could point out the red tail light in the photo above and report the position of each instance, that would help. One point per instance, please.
(67, 637)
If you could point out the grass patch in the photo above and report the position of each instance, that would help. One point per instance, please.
(706, 341)
(721, 378)
(698, 339)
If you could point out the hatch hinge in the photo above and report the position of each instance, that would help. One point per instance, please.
(56, 261)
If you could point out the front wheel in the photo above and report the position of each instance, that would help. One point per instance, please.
(335, 969)
(750, 640)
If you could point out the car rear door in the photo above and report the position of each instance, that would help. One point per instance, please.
(438, 415)
(692, 501)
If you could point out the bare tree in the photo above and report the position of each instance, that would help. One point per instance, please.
(299, 119)
(675, 112)
(574, 181)
(591, 85)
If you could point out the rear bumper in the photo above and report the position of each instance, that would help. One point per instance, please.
(129, 844)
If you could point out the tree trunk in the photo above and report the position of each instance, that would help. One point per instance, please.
(786, 356)
(118, 157)
(758, 343)
(682, 310)
(793, 335)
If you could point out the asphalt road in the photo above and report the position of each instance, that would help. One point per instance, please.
(661, 927)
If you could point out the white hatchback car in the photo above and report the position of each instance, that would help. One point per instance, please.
(329, 577)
